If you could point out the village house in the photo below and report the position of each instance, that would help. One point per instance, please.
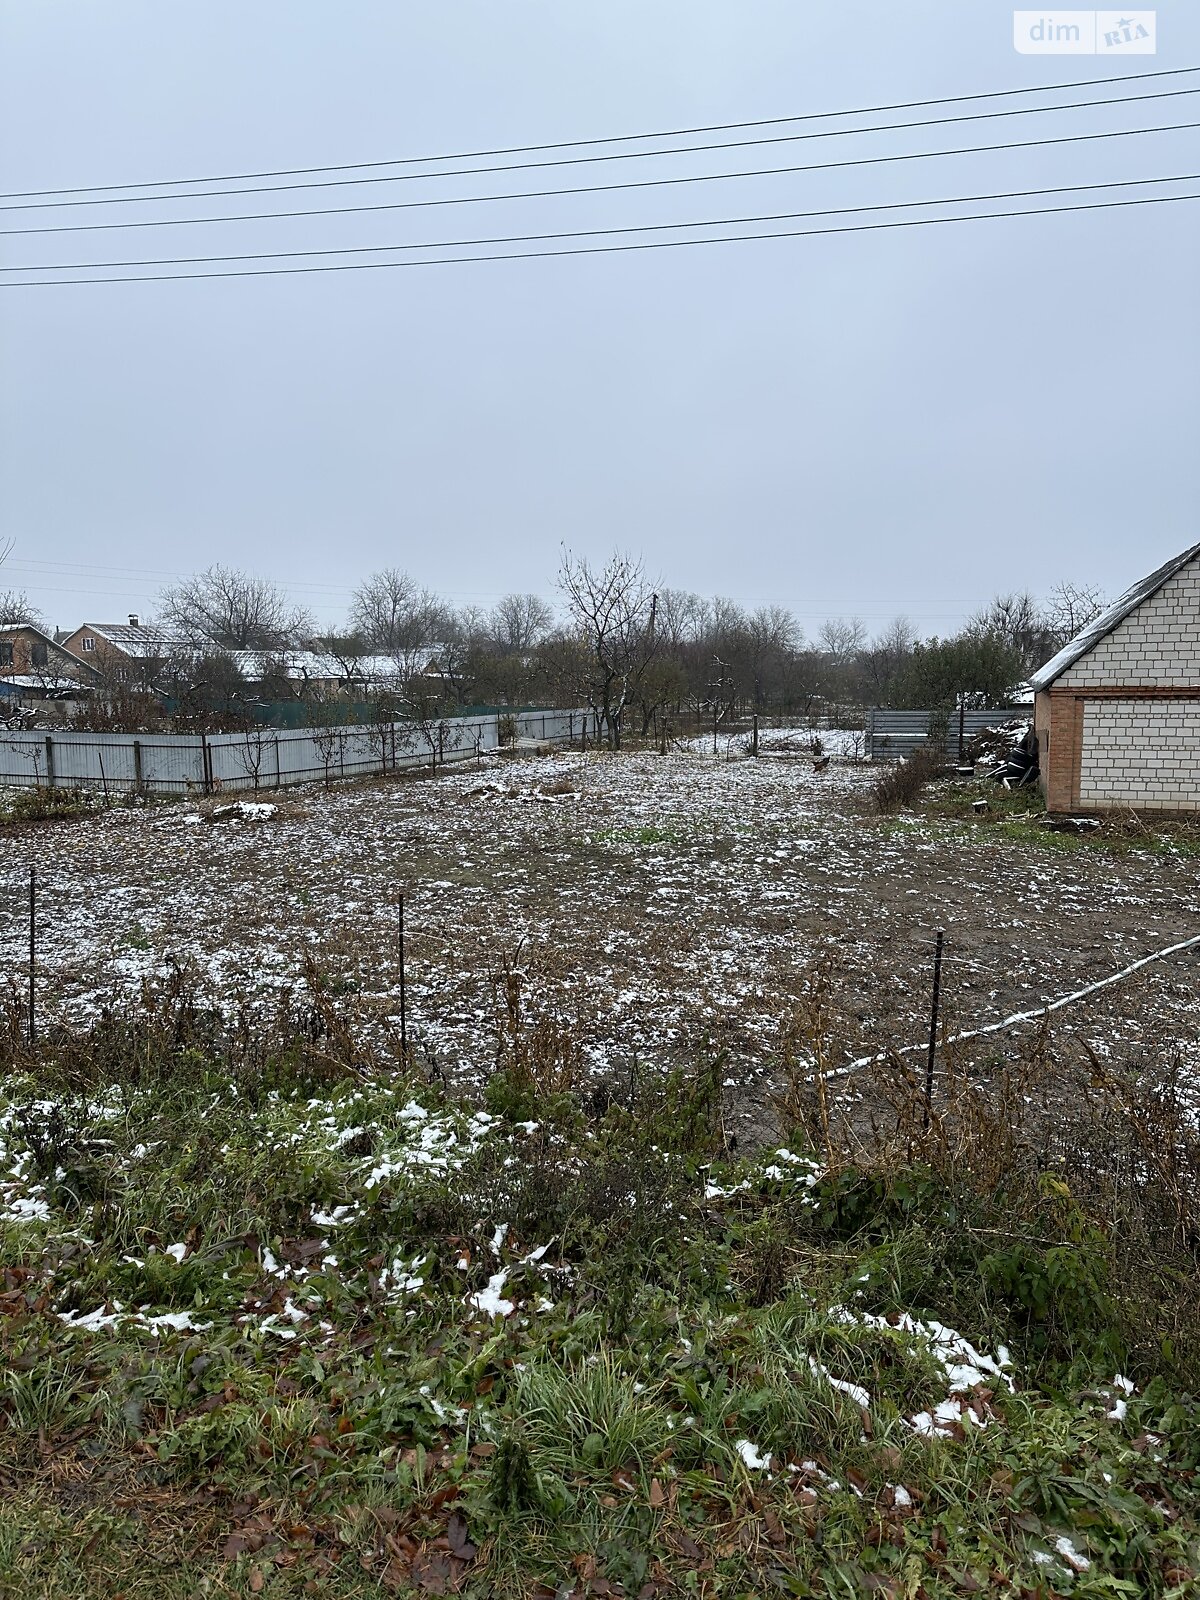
(124, 652)
(33, 666)
(1117, 710)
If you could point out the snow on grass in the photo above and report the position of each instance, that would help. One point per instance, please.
(752, 1457)
(675, 903)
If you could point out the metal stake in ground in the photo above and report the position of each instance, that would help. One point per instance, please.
(32, 955)
(933, 1028)
(403, 1005)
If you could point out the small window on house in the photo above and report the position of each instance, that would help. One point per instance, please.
(88, 642)
(6, 653)
(39, 655)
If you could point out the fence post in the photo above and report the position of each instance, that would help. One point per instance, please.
(933, 1027)
(754, 736)
(403, 998)
(205, 765)
(49, 762)
(137, 765)
(32, 955)
(278, 772)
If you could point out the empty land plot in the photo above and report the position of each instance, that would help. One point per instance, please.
(664, 906)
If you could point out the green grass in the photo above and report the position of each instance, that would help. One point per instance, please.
(1017, 815)
(650, 834)
(338, 1410)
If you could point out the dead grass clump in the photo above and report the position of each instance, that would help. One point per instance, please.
(901, 783)
(563, 784)
(176, 1033)
(1047, 1180)
(539, 1053)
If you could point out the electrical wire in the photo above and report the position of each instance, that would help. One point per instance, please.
(606, 188)
(616, 138)
(583, 161)
(607, 249)
(591, 233)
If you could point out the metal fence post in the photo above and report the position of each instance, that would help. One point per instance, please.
(49, 762)
(32, 955)
(137, 765)
(933, 1027)
(403, 997)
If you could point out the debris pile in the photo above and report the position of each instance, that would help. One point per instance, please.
(1007, 754)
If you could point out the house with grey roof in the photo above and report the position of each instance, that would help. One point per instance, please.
(1117, 710)
(130, 652)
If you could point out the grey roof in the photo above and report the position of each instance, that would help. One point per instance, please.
(1088, 638)
(146, 641)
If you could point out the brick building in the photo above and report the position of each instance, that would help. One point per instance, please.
(124, 652)
(1117, 710)
(31, 661)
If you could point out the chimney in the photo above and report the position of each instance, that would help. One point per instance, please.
(133, 619)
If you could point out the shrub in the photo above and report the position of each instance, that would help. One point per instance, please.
(901, 784)
(43, 804)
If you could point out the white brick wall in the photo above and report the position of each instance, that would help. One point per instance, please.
(1143, 753)
(1156, 645)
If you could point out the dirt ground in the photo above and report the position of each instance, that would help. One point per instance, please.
(664, 905)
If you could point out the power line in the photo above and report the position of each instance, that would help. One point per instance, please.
(607, 249)
(624, 155)
(591, 233)
(808, 608)
(606, 188)
(617, 138)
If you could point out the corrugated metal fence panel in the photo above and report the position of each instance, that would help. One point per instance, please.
(262, 758)
(554, 726)
(172, 764)
(894, 735)
(108, 761)
(23, 758)
(76, 763)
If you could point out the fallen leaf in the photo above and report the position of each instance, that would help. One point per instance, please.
(460, 1542)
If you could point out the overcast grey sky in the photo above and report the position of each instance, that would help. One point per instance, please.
(871, 423)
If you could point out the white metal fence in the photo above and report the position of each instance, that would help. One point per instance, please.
(262, 758)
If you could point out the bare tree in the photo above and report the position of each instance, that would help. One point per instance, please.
(886, 655)
(614, 612)
(683, 618)
(15, 608)
(252, 751)
(1068, 610)
(1015, 619)
(519, 622)
(842, 638)
(772, 638)
(394, 614)
(229, 608)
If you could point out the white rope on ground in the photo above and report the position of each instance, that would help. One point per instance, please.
(1019, 1017)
